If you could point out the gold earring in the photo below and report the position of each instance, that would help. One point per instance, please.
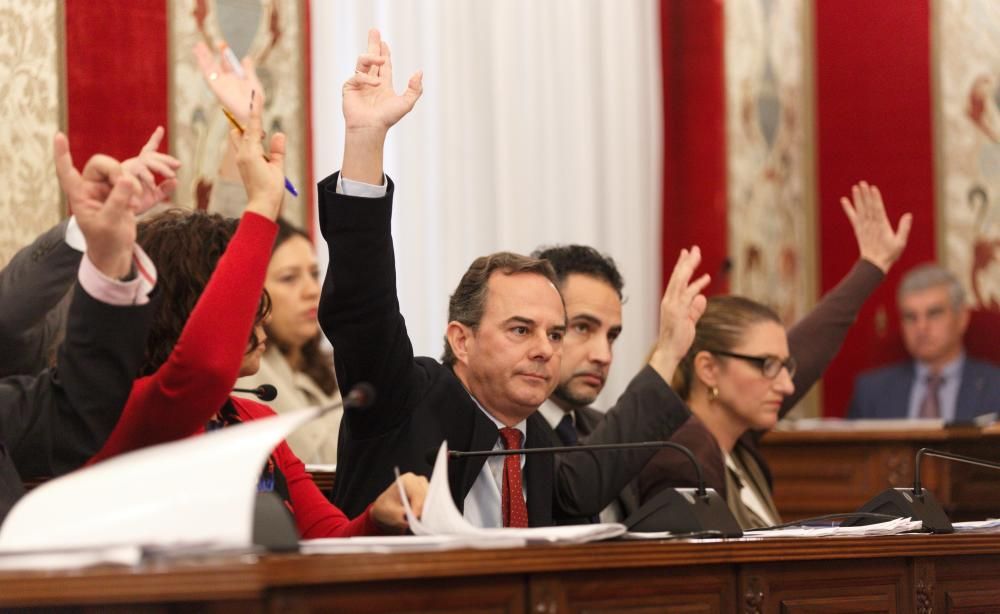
(713, 393)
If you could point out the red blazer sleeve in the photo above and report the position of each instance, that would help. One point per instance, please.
(314, 515)
(196, 379)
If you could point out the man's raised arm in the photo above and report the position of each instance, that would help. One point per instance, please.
(359, 310)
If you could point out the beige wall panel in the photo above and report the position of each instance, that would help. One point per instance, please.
(30, 114)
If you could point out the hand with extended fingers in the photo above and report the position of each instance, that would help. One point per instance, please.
(151, 161)
(230, 89)
(263, 177)
(102, 198)
(369, 100)
(680, 308)
(877, 241)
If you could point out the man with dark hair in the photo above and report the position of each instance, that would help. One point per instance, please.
(504, 346)
(591, 286)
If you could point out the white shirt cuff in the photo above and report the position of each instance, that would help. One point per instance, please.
(348, 187)
(74, 236)
(114, 292)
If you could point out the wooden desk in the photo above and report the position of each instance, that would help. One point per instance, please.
(824, 472)
(905, 574)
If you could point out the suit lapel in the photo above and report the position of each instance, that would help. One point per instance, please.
(539, 472)
(968, 405)
(484, 437)
(899, 395)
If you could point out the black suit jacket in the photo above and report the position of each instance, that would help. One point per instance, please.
(420, 402)
(52, 423)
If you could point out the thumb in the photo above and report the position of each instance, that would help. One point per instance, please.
(903, 232)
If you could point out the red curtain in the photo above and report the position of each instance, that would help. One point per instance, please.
(873, 122)
(694, 145)
(116, 75)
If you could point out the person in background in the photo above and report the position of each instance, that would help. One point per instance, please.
(296, 363)
(939, 381)
(212, 275)
(743, 372)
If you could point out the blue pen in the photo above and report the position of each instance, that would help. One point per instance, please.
(236, 124)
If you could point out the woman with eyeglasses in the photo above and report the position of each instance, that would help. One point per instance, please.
(743, 372)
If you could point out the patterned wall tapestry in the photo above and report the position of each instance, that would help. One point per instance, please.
(770, 185)
(30, 114)
(968, 145)
(273, 32)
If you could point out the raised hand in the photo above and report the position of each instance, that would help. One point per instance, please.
(263, 176)
(151, 161)
(232, 91)
(101, 199)
(680, 309)
(877, 241)
(371, 107)
(369, 100)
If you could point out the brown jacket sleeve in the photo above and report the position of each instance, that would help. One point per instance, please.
(817, 338)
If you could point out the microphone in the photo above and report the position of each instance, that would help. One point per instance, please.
(918, 503)
(264, 392)
(678, 510)
(362, 395)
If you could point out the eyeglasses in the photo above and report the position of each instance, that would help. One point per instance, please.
(770, 366)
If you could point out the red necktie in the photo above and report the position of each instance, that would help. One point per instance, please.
(930, 407)
(515, 512)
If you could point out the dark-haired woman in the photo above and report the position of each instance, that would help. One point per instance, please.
(295, 362)
(742, 373)
(211, 275)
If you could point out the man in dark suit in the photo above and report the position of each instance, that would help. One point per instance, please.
(53, 422)
(591, 286)
(941, 381)
(502, 352)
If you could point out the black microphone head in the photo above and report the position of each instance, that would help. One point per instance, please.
(361, 396)
(266, 392)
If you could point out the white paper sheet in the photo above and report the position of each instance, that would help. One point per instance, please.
(891, 527)
(401, 543)
(199, 490)
(441, 517)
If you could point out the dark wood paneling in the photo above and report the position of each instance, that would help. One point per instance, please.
(709, 590)
(493, 595)
(855, 586)
(819, 472)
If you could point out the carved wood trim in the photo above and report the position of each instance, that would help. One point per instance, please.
(923, 586)
(753, 596)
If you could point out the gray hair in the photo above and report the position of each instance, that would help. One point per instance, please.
(932, 275)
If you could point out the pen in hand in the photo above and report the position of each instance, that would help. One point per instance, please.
(236, 124)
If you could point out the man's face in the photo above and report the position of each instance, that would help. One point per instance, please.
(932, 326)
(594, 314)
(511, 361)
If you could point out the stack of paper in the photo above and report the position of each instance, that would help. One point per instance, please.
(441, 517)
(892, 527)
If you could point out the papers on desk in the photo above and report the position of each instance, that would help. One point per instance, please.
(892, 527)
(978, 526)
(198, 491)
(441, 517)
(838, 424)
